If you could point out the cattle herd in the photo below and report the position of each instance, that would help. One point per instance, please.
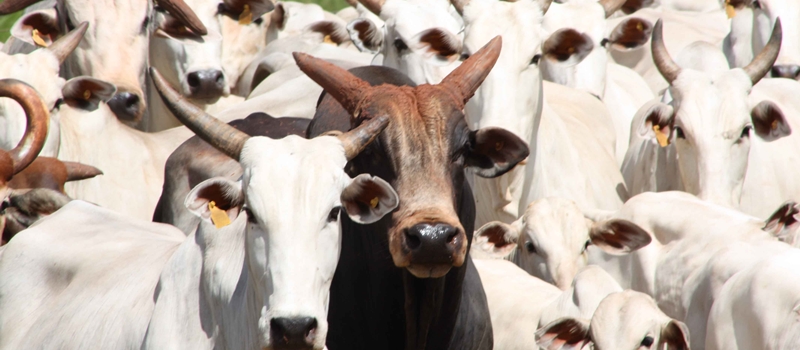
(402, 174)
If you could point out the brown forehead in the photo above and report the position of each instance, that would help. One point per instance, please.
(429, 109)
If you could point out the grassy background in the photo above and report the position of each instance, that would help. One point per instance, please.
(7, 21)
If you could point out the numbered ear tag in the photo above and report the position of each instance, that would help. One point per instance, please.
(219, 217)
(729, 9)
(327, 39)
(37, 38)
(374, 202)
(246, 17)
(661, 137)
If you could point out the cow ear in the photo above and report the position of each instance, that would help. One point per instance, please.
(366, 36)
(494, 151)
(783, 223)
(496, 239)
(658, 123)
(618, 237)
(567, 47)
(674, 336)
(331, 32)
(87, 93)
(632, 6)
(227, 196)
(630, 34)
(437, 45)
(564, 334)
(39, 28)
(23, 208)
(248, 10)
(368, 198)
(769, 121)
(279, 16)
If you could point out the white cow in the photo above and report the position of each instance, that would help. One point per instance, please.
(581, 25)
(550, 241)
(255, 274)
(750, 32)
(570, 135)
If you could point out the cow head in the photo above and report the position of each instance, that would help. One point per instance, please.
(711, 122)
(575, 53)
(625, 320)
(288, 202)
(550, 240)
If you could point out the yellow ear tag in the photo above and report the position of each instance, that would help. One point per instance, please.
(246, 16)
(328, 40)
(663, 141)
(218, 216)
(774, 124)
(374, 202)
(87, 95)
(730, 11)
(37, 38)
(639, 26)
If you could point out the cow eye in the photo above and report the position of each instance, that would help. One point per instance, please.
(250, 217)
(530, 247)
(58, 104)
(400, 45)
(334, 214)
(647, 341)
(756, 4)
(464, 57)
(746, 132)
(679, 133)
(536, 58)
(586, 246)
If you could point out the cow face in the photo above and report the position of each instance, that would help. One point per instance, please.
(550, 240)
(712, 122)
(625, 320)
(750, 26)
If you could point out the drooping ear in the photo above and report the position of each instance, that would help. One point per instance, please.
(567, 47)
(331, 32)
(564, 334)
(279, 17)
(366, 36)
(618, 237)
(658, 123)
(86, 93)
(494, 151)
(769, 121)
(246, 11)
(784, 222)
(632, 6)
(38, 27)
(630, 34)
(437, 45)
(496, 239)
(226, 195)
(674, 336)
(368, 198)
(24, 208)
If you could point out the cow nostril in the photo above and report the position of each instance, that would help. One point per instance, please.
(451, 236)
(791, 71)
(412, 239)
(220, 78)
(291, 332)
(193, 79)
(132, 101)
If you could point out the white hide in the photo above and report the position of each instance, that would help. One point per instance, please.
(751, 27)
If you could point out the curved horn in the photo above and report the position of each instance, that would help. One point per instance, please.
(612, 6)
(339, 83)
(182, 12)
(64, 46)
(11, 6)
(762, 63)
(79, 171)
(546, 5)
(460, 5)
(353, 3)
(222, 136)
(466, 79)
(373, 5)
(354, 141)
(37, 117)
(666, 66)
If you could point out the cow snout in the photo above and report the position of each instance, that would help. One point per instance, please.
(433, 248)
(127, 106)
(293, 333)
(206, 84)
(791, 71)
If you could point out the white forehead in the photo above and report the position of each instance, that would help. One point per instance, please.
(39, 69)
(623, 319)
(519, 23)
(557, 221)
(120, 16)
(410, 17)
(712, 102)
(585, 16)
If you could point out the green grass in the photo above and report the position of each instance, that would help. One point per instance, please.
(329, 5)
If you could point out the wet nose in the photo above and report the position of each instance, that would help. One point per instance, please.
(791, 71)
(431, 243)
(293, 333)
(206, 84)
(126, 106)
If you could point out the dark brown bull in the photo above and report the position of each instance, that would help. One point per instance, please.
(406, 282)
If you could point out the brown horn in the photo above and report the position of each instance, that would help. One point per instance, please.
(762, 63)
(37, 117)
(666, 66)
(465, 79)
(339, 83)
(460, 5)
(79, 171)
(546, 6)
(612, 6)
(354, 141)
(222, 136)
(183, 13)
(353, 3)
(64, 46)
(11, 6)
(373, 5)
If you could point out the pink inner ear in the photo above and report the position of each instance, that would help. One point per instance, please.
(496, 235)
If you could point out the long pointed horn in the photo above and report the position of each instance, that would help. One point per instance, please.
(460, 5)
(611, 6)
(373, 6)
(354, 141)
(762, 63)
(64, 46)
(339, 83)
(666, 66)
(183, 13)
(222, 136)
(466, 79)
(37, 117)
(79, 171)
(11, 6)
